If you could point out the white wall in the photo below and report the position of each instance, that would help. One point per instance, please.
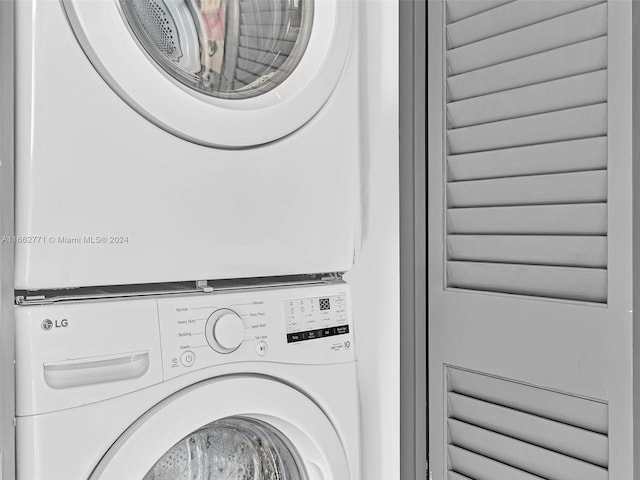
(375, 277)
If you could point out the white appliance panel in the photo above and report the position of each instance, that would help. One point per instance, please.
(89, 431)
(105, 197)
(100, 349)
(305, 388)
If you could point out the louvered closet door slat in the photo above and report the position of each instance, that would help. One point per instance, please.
(481, 468)
(579, 219)
(575, 123)
(573, 155)
(509, 17)
(582, 284)
(459, 9)
(456, 476)
(578, 187)
(557, 32)
(570, 92)
(539, 461)
(569, 409)
(573, 251)
(559, 437)
(587, 56)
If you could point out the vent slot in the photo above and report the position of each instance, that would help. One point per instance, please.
(586, 284)
(526, 136)
(500, 429)
(511, 16)
(554, 33)
(578, 187)
(583, 251)
(550, 65)
(463, 9)
(574, 123)
(575, 91)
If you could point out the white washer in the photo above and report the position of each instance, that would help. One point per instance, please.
(176, 140)
(162, 388)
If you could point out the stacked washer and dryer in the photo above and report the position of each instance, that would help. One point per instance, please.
(187, 199)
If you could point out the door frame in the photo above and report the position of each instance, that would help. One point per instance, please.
(413, 316)
(7, 374)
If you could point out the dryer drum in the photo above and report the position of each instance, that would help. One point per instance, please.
(223, 48)
(233, 448)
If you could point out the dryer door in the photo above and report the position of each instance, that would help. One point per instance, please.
(244, 428)
(225, 73)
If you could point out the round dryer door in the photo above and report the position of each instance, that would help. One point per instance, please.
(236, 428)
(224, 73)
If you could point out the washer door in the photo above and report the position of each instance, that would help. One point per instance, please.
(235, 428)
(224, 73)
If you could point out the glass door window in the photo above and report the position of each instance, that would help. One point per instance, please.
(233, 448)
(223, 48)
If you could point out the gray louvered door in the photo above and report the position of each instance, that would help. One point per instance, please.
(526, 138)
(530, 251)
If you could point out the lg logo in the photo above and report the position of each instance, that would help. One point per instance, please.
(49, 324)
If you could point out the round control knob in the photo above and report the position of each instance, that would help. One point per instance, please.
(225, 330)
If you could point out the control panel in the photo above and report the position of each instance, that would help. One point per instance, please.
(100, 349)
(302, 324)
(313, 318)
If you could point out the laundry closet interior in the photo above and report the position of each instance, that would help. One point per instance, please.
(195, 202)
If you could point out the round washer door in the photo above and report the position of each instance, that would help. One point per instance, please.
(244, 428)
(223, 73)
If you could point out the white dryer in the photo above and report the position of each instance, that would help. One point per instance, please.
(179, 140)
(244, 385)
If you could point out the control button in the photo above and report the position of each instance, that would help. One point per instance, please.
(342, 330)
(262, 348)
(294, 337)
(225, 330)
(188, 358)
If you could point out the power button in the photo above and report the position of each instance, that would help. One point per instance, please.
(188, 358)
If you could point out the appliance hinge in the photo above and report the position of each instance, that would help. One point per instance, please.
(20, 299)
(331, 277)
(197, 286)
(203, 285)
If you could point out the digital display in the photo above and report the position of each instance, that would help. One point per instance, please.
(316, 317)
(325, 304)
